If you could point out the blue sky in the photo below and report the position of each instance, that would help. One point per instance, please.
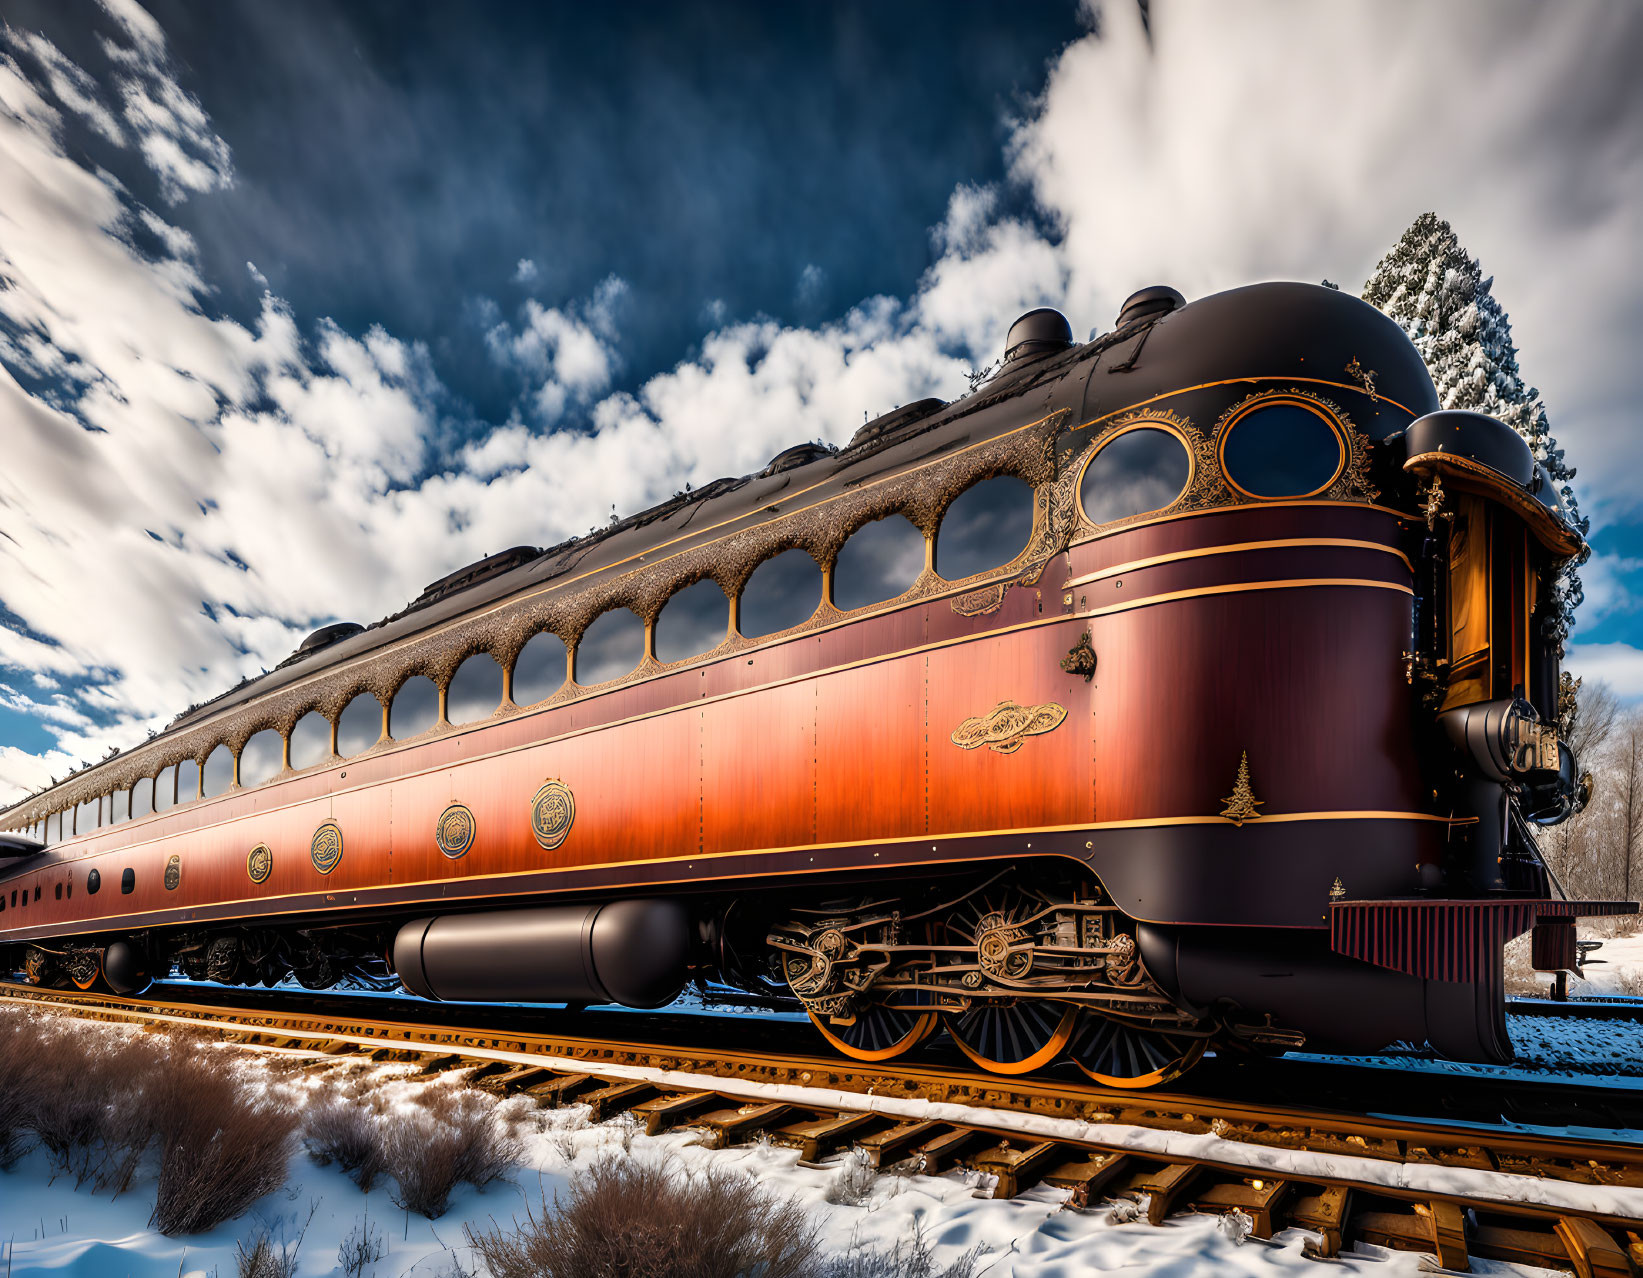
(305, 305)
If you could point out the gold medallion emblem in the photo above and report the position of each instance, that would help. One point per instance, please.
(552, 811)
(454, 831)
(260, 863)
(1007, 725)
(173, 873)
(326, 849)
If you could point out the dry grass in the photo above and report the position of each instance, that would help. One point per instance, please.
(346, 1130)
(853, 1183)
(626, 1219)
(103, 1105)
(220, 1147)
(912, 1257)
(450, 1138)
(363, 1246)
(268, 1259)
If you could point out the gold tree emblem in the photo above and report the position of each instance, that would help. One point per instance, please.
(1241, 804)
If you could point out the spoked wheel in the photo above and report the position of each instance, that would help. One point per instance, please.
(877, 1033)
(1012, 1037)
(1005, 1036)
(1117, 1054)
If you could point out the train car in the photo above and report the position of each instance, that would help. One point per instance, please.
(1193, 685)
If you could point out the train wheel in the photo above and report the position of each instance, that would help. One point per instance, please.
(84, 969)
(1117, 1054)
(1012, 1037)
(38, 967)
(878, 1033)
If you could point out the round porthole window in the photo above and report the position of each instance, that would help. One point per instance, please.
(1282, 448)
(1134, 473)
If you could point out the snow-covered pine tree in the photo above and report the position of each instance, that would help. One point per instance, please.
(1439, 296)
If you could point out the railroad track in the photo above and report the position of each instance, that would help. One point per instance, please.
(1457, 1191)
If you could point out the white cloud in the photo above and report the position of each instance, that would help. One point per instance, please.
(568, 354)
(525, 272)
(1620, 665)
(68, 83)
(1607, 580)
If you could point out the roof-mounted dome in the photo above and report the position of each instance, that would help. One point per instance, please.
(794, 457)
(325, 636)
(1040, 332)
(1153, 300)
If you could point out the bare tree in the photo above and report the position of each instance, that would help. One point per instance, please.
(1627, 774)
(1594, 718)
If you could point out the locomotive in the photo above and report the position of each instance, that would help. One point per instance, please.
(1193, 686)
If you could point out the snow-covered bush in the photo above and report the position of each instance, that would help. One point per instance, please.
(627, 1216)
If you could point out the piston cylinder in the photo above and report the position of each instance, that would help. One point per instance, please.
(634, 952)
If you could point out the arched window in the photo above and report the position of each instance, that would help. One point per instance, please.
(360, 726)
(610, 648)
(539, 669)
(415, 708)
(1282, 448)
(784, 591)
(219, 771)
(261, 758)
(1135, 473)
(985, 528)
(85, 817)
(119, 807)
(692, 621)
(880, 561)
(165, 789)
(142, 798)
(311, 740)
(188, 781)
(475, 691)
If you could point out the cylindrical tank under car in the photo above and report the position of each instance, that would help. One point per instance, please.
(631, 952)
(125, 968)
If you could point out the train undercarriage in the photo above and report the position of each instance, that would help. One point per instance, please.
(1021, 967)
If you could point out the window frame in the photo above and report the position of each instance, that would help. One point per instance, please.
(1146, 423)
(1337, 428)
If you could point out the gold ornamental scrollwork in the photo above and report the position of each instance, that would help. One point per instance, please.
(259, 863)
(1007, 725)
(1241, 804)
(1080, 658)
(1351, 480)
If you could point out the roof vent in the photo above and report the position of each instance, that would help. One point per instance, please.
(473, 574)
(1040, 332)
(884, 423)
(1156, 300)
(325, 636)
(794, 457)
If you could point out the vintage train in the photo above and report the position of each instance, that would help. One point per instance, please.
(1197, 684)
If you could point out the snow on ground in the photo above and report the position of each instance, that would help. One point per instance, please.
(48, 1229)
